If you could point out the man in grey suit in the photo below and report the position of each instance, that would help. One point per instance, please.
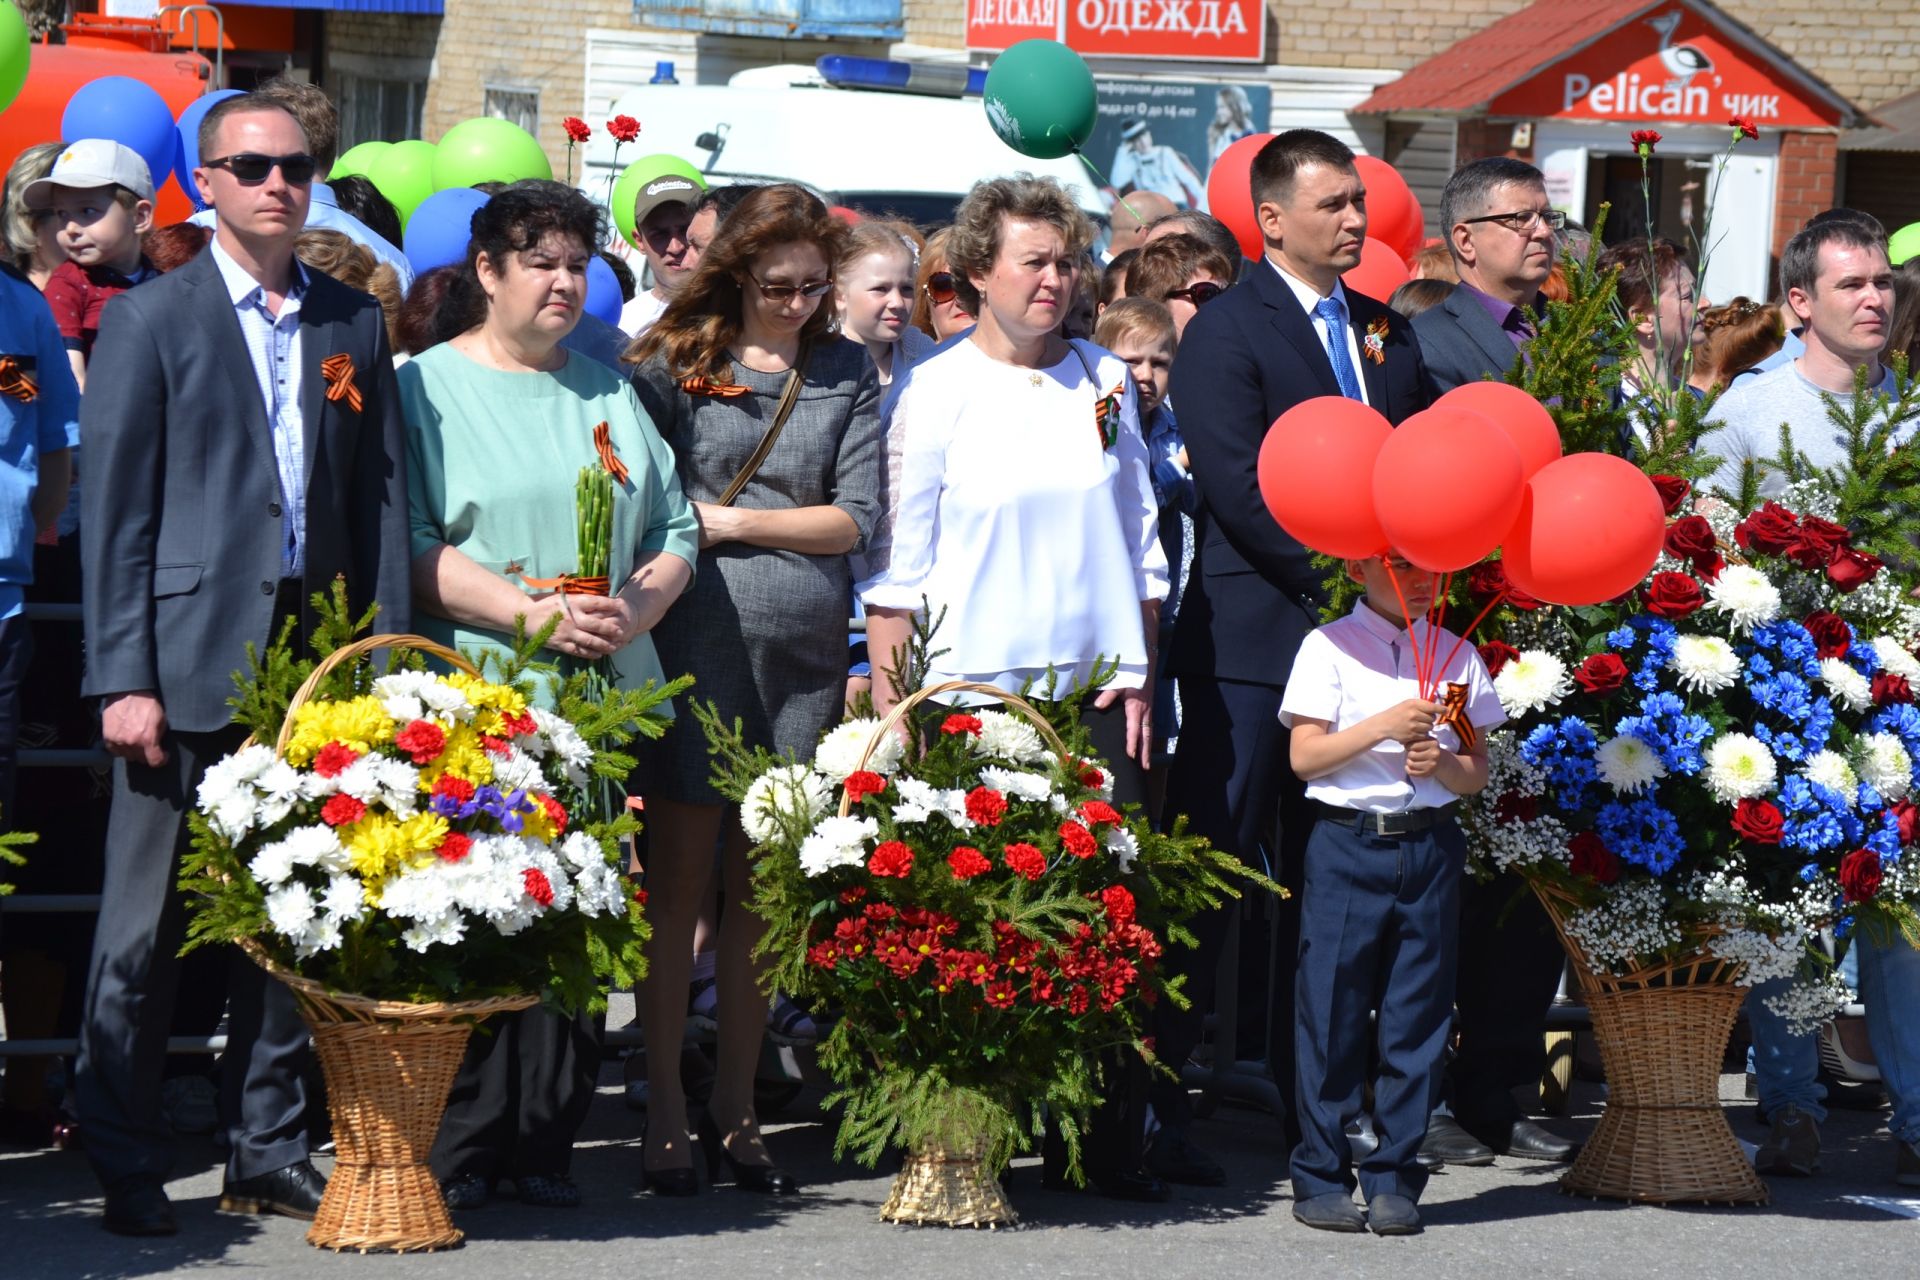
(1500, 230)
(244, 448)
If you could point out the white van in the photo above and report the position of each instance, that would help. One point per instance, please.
(911, 155)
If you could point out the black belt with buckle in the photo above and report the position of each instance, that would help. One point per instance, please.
(1408, 823)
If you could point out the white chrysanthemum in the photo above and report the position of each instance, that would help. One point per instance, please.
(273, 864)
(841, 750)
(1017, 785)
(361, 779)
(572, 748)
(837, 842)
(1628, 765)
(920, 801)
(443, 699)
(1883, 763)
(1008, 737)
(343, 898)
(580, 851)
(517, 771)
(290, 909)
(399, 785)
(1895, 658)
(1534, 680)
(1853, 690)
(321, 934)
(1739, 767)
(234, 775)
(1704, 664)
(1830, 769)
(234, 814)
(1746, 596)
(1121, 844)
(782, 790)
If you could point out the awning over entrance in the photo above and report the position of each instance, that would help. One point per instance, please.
(1617, 61)
(348, 6)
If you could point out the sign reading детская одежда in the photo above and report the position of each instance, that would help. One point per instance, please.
(1192, 30)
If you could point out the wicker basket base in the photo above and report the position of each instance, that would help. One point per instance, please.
(948, 1189)
(1664, 1138)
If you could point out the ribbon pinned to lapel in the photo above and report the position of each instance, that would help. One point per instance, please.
(704, 386)
(1453, 712)
(609, 460)
(338, 371)
(15, 382)
(1106, 416)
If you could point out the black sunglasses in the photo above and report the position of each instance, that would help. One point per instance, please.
(785, 292)
(940, 287)
(251, 168)
(1199, 293)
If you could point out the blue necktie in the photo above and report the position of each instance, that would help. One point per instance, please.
(1334, 317)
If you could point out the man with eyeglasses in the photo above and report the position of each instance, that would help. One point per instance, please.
(245, 449)
(1500, 230)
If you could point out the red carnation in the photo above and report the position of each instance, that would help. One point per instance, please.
(1602, 674)
(1860, 875)
(459, 790)
(1673, 491)
(423, 741)
(538, 887)
(1832, 637)
(1077, 840)
(864, 783)
(1850, 570)
(1673, 596)
(961, 723)
(1645, 140)
(1889, 688)
(1497, 654)
(640, 896)
(891, 859)
(1690, 538)
(986, 806)
(1744, 127)
(1907, 814)
(623, 128)
(457, 846)
(577, 129)
(1593, 858)
(1098, 813)
(1770, 530)
(520, 726)
(1090, 774)
(968, 862)
(1758, 821)
(1026, 860)
(341, 810)
(1119, 904)
(555, 814)
(334, 757)
(494, 746)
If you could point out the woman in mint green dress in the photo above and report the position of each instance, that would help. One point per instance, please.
(500, 421)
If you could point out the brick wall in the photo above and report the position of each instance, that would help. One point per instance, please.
(1805, 184)
(938, 24)
(380, 35)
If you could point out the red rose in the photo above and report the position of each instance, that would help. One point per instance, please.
(1832, 637)
(334, 757)
(1769, 531)
(1119, 904)
(1489, 579)
(986, 806)
(1673, 492)
(961, 724)
(623, 128)
(1851, 570)
(537, 885)
(891, 859)
(1603, 673)
(1644, 140)
(1592, 858)
(1077, 840)
(968, 862)
(1757, 821)
(456, 847)
(423, 741)
(555, 814)
(577, 129)
(1907, 814)
(1673, 596)
(1497, 654)
(1098, 813)
(341, 810)
(1860, 875)
(1026, 860)
(1889, 688)
(1690, 538)
(864, 783)
(1744, 126)
(1818, 542)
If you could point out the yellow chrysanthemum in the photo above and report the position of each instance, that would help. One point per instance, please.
(538, 824)
(464, 757)
(483, 695)
(360, 723)
(380, 847)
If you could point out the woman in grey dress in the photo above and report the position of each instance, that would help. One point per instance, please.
(763, 630)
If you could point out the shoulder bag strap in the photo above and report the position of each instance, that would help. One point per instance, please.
(788, 398)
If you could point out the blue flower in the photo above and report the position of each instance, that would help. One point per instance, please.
(1886, 840)
(1621, 639)
(1563, 750)
(1675, 736)
(1817, 818)
(1642, 833)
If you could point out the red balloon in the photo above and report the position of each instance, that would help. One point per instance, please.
(1316, 475)
(1380, 272)
(1230, 193)
(1589, 529)
(846, 215)
(1515, 412)
(1446, 486)
(1394, 216)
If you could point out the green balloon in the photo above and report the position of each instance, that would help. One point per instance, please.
(1040, 99)
(626, 190)
(357, 160)
(1904, 244)
(487, 150)
(404, 175)
(16, 44)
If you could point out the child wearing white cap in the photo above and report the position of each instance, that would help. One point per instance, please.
(101, 197)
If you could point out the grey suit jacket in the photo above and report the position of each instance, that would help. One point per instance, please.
(1461, 343)
(181, 504)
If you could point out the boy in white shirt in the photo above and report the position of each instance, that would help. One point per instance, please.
(1380, 899)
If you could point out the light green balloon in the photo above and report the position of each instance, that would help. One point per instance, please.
(638, 174)
(16, 46)
(357, 160)
(404, 175)
(1904, 244)
(487, 150)
(1040, 99)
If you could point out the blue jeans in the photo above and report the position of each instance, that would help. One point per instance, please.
(1890, 989)
(1787, 1066)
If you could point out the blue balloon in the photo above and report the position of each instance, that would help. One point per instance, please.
(438, 231)
(603, 292)
(187, 153)
(129, 112)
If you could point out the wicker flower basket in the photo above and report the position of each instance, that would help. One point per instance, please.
(1663, 1137)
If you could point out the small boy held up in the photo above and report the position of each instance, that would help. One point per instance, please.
(101, 198)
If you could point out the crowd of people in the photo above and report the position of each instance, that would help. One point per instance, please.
(986, 424)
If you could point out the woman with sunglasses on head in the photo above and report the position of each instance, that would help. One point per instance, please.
(938, 310)
(1182, 271)
(777, 431)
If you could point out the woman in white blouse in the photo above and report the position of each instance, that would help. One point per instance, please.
(1022, 504)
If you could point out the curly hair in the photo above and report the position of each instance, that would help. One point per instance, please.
(1738, 336)
(981, 219)
(513, 220)
(707, 311)
(353, 264)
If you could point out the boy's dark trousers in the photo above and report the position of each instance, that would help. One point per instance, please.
(1379, 921)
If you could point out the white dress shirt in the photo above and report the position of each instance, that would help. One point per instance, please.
(1038, 541)
(274, 348)
(1361, 665)
(1309, 299)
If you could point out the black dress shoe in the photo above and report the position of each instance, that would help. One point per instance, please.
(670, 1182)
(1173, 1159)
(1448, 1143)
(292, 1192)
(1391, 1215)
(139, 1207)
(1334, 1211)
(765, 1179)
(1428, 1161)
(1528, 1141)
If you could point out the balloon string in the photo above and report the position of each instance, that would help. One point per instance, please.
(1101, 178)
(1475, 626)
(1413, 641)
(1436, 610)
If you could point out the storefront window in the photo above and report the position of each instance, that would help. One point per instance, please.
(374, 109)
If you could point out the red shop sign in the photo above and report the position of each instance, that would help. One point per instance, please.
(1000, 24)
(1160, 30)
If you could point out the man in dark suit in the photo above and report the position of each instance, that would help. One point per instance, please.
(1500, 228)
(244, 448)
(1287, 333)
